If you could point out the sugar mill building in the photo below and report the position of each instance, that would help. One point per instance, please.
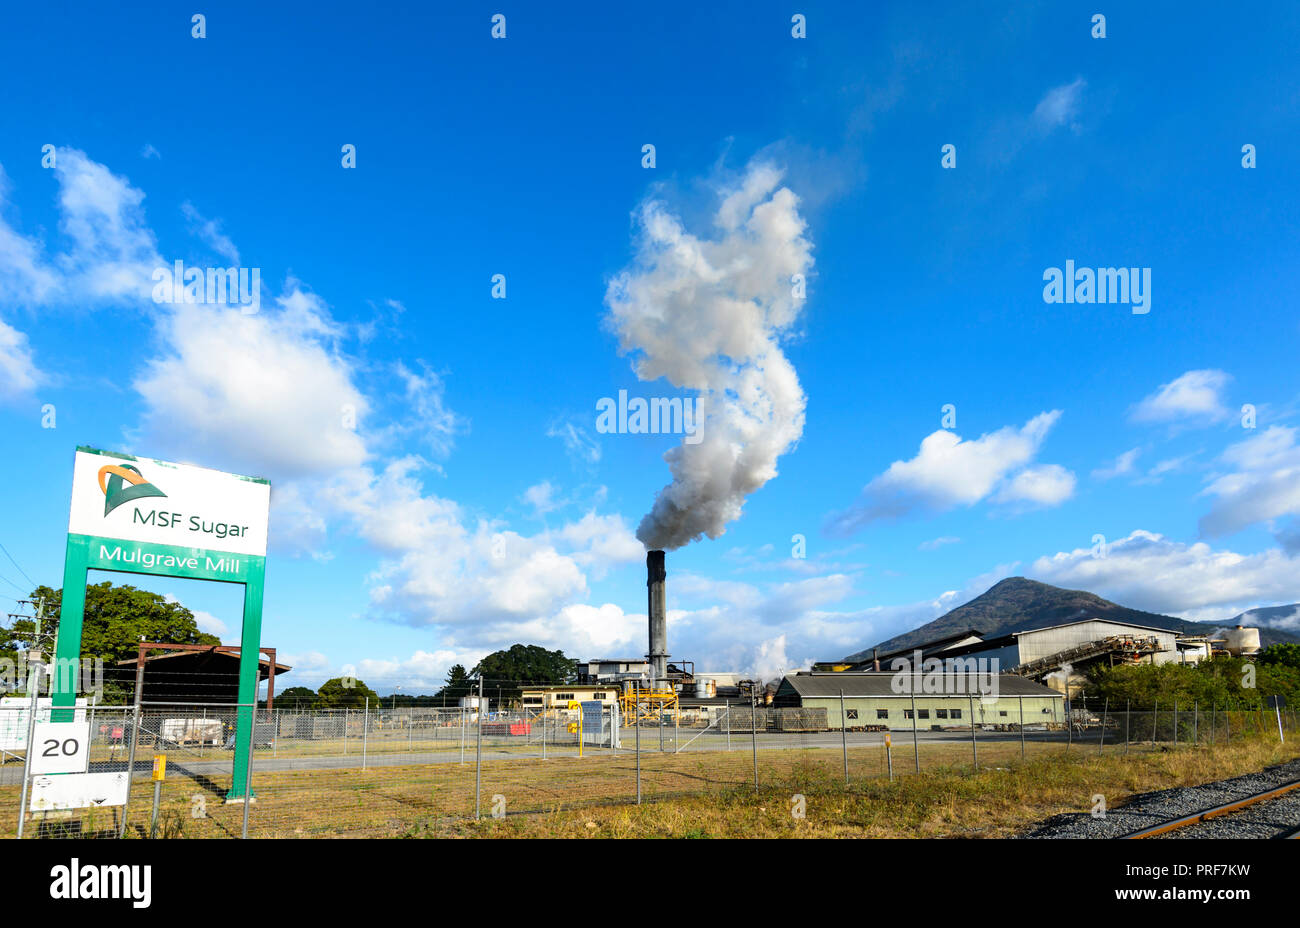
(947, 700)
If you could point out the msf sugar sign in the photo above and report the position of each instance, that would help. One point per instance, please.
(125, 498)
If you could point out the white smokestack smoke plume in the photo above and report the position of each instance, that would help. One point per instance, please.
(708, 314)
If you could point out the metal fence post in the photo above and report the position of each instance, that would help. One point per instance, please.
(1196, 722)
(916, 743)
(462, 734)
(365, 732)
(728, 724)
(31, 734)
(130, 763)
(974, 745)
(1155, 721)
(1022, 727)
(543, 717)
(844, 738)
(1104, 712)
(1127, 717)
(346, 713)
(636, 720)
(248, 772)
(1175, 723)
(753, 731)
(478, 752)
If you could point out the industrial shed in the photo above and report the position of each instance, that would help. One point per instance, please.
(871, 700)
(1088, 640)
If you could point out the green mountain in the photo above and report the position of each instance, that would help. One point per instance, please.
(1018, 604)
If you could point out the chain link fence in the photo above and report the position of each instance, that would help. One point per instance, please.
(408, 771)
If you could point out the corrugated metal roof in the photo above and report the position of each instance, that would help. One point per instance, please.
(880, 684)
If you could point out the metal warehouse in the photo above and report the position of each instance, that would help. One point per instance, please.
(944, 700)
(1086, 640)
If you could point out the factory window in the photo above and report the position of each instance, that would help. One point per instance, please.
(923, 713)
(940, 713)
(564, 696)
(956, 713)
(882, 713)
(852, 713)
(907, 713)
(1003, 714)
(597, 695)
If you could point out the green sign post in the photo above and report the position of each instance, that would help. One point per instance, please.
(172, 520)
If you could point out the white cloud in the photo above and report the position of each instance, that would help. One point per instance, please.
(948, 472)
(1150, 572)
(1060, 106)
(113, 253)
(264, 392)
(1048, 485)
(602, 542)
(541, 497)
(1262, 482)
(934, 544)
(209, 230)
(18, 372)
(25, 279)
(110, 252)
(207, 622)
(1196, 396)
(421, 672)
(581, 448)
(1123, 465)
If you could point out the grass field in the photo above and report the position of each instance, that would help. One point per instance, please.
(706, 794)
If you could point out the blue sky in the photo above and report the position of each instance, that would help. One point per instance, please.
(475, 504)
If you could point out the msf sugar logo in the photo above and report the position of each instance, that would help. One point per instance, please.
(1131, 285)
(180, 284)
(105, 881)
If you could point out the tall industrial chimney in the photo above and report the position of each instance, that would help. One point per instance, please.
(655, 575)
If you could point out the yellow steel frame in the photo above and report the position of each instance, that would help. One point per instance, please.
(637, 704)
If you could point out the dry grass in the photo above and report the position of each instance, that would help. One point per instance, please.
(704, 794)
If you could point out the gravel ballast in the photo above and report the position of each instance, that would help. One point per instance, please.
(1265, 820)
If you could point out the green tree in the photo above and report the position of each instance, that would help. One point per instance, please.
(115, 619)
(1223, 681)
(457, 685)
(1281, 655)
(346, 693)
(504, 671)
(296, 697)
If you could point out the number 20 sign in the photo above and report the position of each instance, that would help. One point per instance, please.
(61, 747)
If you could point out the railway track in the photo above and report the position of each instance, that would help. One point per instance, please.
(1276, 809)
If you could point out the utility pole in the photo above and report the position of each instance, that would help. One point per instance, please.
(33, 675)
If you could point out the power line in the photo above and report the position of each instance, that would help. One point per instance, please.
(14, 585)
(16, 564)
